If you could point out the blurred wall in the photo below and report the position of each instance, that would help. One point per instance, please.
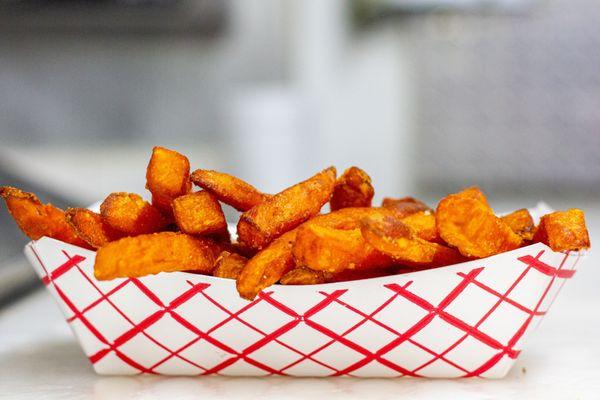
(286, 89)
(425, 102)
(510, 101)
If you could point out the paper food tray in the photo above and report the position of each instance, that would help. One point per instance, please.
(469, 319)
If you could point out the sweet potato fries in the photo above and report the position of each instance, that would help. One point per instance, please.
(284, 238)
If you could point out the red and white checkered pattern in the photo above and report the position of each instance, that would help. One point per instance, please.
(465, 320)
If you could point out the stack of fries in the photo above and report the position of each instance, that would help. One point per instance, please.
(284, 238)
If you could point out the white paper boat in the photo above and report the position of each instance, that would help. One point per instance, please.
(469, 319)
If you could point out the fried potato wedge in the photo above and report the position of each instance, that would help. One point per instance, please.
(302, 276)
(352, 189)
(398, 241)
(229, 265)
(348, 218)
(334, 250)
(154, 253)
(167, 177)
(199, 214)
(563, 230)
(36, 219)
(521, 223)
(241, 248)
(267, 266)
(286, 210)
(475, 193)
(465, 222)
(132, 215)
(404, 206)
(229, 189)
(90, 227)
(423, 224)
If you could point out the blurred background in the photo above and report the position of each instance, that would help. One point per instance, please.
(428, 96)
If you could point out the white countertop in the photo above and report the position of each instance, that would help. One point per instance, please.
(39, 358)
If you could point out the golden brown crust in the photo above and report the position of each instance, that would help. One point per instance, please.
(398, 241)
(90, 227)
(267, 266)
(229, 189)
(132, 215)
(563, 230)
(154, 253)
(334, 250)
(167, 177)
(229, 265)
(286, 210)
(424, 225)
(404, 206)
(467, 223)
(521, 223)
(352, 189)
(199, 214)
(36, 219)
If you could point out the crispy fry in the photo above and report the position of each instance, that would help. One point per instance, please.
(349, 218)
(521, 223)
(199, 214)
(334, 250)
(352, 189)
(563, 230)
(286, 210)
(36, 219)
(229, 265)
(90, 227)
(423, 224)
(267, 266)
(405, 206)
(465, 222)
(475, 193)
(242, 249)
(130, 214)
(398, 241)
(229, 189)
(153, 253)
(302, 276)
(167, 177)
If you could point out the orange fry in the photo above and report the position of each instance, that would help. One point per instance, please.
(229, 265)
(563, 230)
(334, 250)
(130, 214)
(153, 253)
(352, 189)
(349, 218)
(404, 206)
(90, 227)
(267, 266)
(36, 219)
(302, 276)
(167, 177)
(199, 214)
(423, 224)
(229, 189)
(468, 224)
(398, 241)
(521, 223)
(475, 193)
(286, 210)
